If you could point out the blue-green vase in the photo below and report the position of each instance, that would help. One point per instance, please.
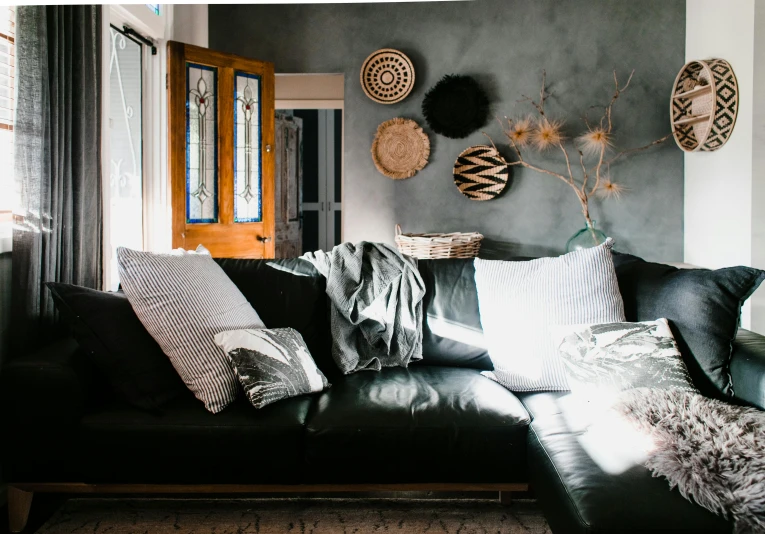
(587, 237)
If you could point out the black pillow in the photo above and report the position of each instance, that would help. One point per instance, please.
(288, 293)
(702, 306)
(105, 325)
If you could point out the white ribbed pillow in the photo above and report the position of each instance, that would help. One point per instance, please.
(520, 301)
(184, 299)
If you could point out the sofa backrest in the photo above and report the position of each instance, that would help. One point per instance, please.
(452, 333)
(287, 293)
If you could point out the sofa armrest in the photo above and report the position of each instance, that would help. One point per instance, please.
(44, 390)
(747, 368)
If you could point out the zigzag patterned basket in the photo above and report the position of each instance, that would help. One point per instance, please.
(704, 105)
(438, 246)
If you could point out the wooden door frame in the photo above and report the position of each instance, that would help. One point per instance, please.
(178, 54)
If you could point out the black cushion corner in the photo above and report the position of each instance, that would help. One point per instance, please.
(578, 496)
(416, 425)
(703, 307)
(288, 293)
(112, 336)
(451, 327)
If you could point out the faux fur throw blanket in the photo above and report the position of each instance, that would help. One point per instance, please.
(376, 314)
(711, 451)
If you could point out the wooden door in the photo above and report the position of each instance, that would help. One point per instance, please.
(289, 186)
(221, 143)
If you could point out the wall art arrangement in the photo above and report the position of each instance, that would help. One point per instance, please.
(704, 105)
(387, 76)
(400, 148)
(588, 157)
(456, 106)
(481, 173)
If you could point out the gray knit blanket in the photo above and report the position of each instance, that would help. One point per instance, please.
(711, 451)
(376, 312)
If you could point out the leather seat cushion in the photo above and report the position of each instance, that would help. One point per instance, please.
(188, 444)
(577, 495)
(421, 424)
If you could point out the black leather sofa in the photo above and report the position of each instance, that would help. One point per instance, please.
(437, 425)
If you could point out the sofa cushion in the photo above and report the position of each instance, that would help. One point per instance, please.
(188, 444)
(421, 424)
(585, 492)
(106, 326)
(702, 306)
(288, 293)
(452, 333)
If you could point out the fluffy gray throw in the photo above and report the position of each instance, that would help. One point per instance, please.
(713, 452)
(376, 315)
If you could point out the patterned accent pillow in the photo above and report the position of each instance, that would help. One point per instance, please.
(521, 301)
(613, 357)
(183, 299)
(271, 364)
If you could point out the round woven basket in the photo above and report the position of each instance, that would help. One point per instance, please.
(387, 76)
(704, 105)
(481, 173)
(438, 246)
(400, 148)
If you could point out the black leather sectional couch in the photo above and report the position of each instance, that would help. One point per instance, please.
(437, 424)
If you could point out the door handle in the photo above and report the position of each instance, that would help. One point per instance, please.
(264, 238)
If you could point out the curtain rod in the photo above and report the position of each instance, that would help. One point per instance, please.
(145, 40)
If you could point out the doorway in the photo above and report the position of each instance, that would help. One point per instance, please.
(309, 123)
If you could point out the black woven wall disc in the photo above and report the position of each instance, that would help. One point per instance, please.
(456, 106)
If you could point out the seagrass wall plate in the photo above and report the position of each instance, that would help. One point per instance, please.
(400, 149)
(481, 173)
(387, 76)
(704, 105)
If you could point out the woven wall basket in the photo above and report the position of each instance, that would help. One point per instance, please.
(400, 148)
(704, 105)
(481, 173)
(438, 246)
(387, 76)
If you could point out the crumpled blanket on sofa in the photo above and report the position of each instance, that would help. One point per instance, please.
(376, 315)
(713, 452)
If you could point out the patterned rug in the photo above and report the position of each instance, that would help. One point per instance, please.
(303, 516)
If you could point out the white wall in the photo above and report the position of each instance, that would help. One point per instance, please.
(190, 24)
(720, 206)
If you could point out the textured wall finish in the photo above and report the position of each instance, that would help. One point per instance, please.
(505, 44)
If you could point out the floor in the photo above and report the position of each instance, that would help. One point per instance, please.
(57, 514)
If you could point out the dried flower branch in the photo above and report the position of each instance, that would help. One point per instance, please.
(545, 133)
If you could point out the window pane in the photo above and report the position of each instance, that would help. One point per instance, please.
(125, 145)
(201, 144)
(247, 142)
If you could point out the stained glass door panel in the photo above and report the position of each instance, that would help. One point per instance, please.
(221, 148)
(247, 153)
(201, 144)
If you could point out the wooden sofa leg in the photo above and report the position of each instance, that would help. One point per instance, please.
(505, 498)
(19, 503)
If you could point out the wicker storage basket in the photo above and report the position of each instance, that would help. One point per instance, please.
(439, 246)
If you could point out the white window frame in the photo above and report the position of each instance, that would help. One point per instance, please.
(156, 204)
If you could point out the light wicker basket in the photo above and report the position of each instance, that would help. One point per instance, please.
(438, 246)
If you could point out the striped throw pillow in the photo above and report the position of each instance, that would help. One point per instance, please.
(183, 299)
(521, 301)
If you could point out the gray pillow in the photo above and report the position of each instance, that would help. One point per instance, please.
(271, 364)
(613, 357)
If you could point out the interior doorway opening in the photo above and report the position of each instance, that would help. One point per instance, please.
(309, 163)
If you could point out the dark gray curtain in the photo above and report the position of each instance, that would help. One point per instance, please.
(58, 162)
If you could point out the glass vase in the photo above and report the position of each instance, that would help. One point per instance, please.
(587, 237)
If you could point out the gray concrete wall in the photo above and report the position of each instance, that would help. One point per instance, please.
(505, 44)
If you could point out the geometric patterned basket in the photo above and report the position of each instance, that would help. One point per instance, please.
(438, 246)
(481, 173)
(704, 105)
